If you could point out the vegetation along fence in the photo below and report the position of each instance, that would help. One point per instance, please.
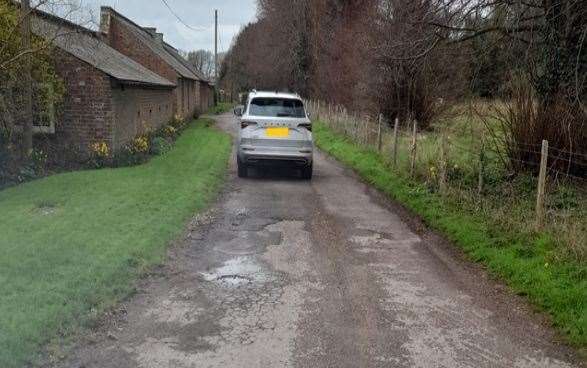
(461, 160)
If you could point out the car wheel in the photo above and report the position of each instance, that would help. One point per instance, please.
(307, 172)
(242, 168)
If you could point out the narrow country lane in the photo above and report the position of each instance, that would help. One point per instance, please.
(288, 273)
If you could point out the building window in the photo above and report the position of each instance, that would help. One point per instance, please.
(44, 109)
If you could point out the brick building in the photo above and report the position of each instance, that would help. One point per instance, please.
(207, 92)
(147, 47)
(108, 96)
(206, 88)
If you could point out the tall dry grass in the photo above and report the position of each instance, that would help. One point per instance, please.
(521, 123)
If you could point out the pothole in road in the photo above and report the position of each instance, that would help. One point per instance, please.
(372, 239)
(238, 271)
(248, 242)
(368, 241)
(234, 279)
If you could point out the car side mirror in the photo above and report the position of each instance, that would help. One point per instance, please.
(238, 111)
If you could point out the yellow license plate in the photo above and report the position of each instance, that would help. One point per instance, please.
(277, 132)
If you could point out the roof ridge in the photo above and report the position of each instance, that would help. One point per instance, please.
(57, 39)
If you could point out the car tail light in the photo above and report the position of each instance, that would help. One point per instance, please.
(306, 125)
(245, 124)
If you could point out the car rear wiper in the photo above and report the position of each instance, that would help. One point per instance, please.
(283, 115)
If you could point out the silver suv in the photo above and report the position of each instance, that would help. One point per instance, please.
(274, 130)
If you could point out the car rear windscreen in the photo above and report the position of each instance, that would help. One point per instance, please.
(277, 107)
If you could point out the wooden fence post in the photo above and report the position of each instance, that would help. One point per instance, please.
(317, 113)
(333, 116)
(329, 118)
(395, 140)
(379, 137)
(367, 131)
(414, 146)
(364, 132)
(481, 168)
(362, 124)
(317, 107)
(443, 164)
(541, 186)
(365, 127)
(341, 116)
(359, 126)
(361, 130)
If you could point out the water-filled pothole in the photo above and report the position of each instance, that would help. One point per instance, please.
(237, 271)
(234, 279)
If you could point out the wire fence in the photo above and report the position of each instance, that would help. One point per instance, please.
(445, 161)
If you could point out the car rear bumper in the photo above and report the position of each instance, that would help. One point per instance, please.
(256, 156)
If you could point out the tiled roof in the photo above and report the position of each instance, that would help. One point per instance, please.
(87, 46)
(150, 39)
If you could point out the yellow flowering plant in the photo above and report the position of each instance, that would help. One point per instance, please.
(170, 130)
(145, 129)
(177, 122)
(141, 144)
(100, 149)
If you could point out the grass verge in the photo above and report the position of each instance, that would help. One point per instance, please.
(558, 287)
(72, 244)
(221, 108)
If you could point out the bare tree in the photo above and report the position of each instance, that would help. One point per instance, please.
(414, 58)
(203, 61)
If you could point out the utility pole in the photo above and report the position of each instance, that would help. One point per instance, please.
(25, 28)
(541, 186)
(216, 45)
(215, 56)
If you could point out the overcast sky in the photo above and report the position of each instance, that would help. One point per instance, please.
(198, 14)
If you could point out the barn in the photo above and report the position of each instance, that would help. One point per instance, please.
(146, 46)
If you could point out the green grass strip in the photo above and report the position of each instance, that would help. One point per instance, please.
(221, 108)
(72, 244)
(557, 287)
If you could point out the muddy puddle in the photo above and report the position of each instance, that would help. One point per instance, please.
(238, 271)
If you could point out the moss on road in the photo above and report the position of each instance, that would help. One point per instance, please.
(72, 244)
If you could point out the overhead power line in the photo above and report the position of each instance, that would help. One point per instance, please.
(181, 20)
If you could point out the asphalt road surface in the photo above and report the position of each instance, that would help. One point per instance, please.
(288, 273)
